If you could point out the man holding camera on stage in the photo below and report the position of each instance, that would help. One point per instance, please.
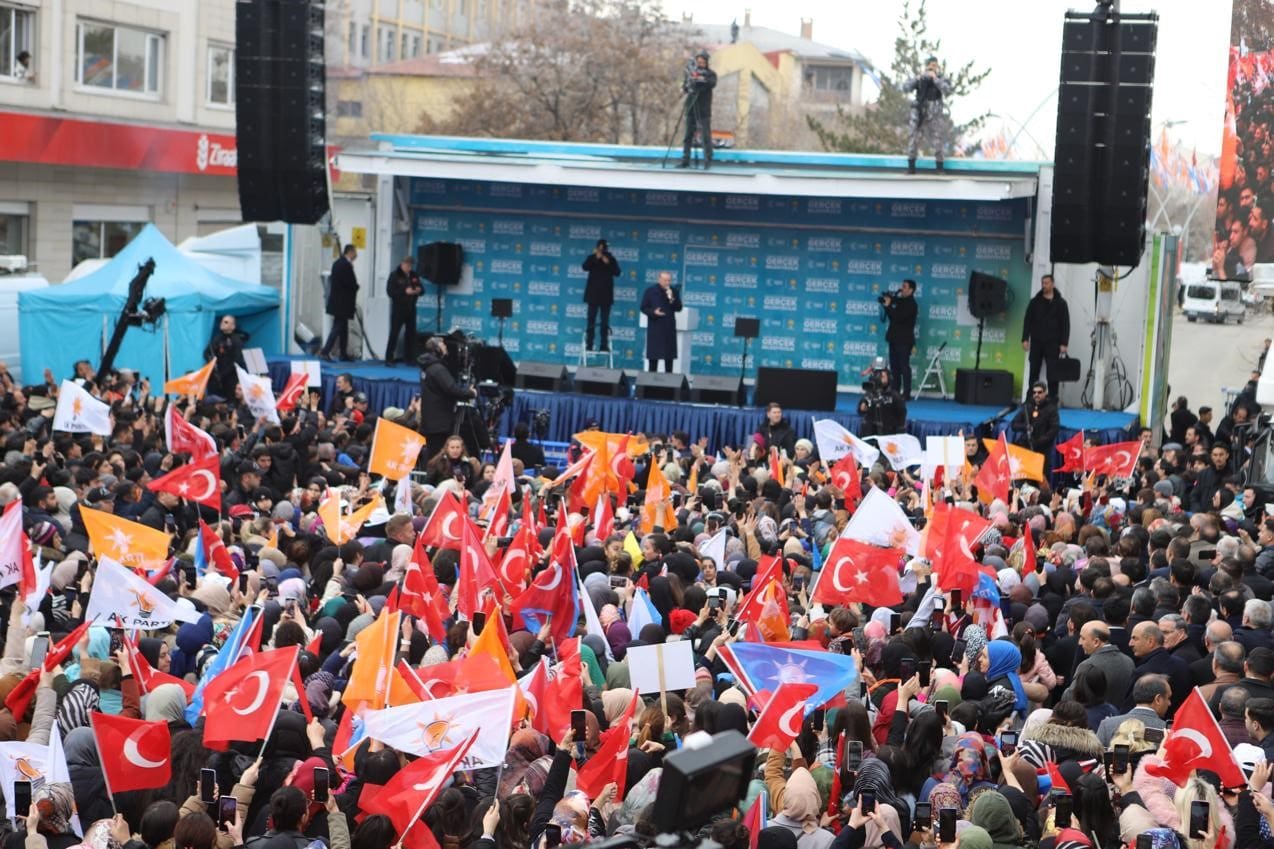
(403, 288)
(698, 84)
(439, 393)
(599, 292)
(901, 312)
(882, 409)
(928, 121)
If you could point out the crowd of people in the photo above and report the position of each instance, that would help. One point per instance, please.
(989, 721)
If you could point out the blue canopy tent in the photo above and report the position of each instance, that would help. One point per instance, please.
(62, 324)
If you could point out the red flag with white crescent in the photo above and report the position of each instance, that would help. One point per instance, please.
(1072, 453)
(136, 755)
(246, 697)
(185, 438)
(857, 571)
(292, 392)
(198, 480)
(780, 722)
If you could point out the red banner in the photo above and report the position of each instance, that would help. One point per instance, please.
(52, 140)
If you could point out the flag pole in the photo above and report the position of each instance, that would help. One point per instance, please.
(105, 777)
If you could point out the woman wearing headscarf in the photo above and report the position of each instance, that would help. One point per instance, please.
(1067, 735)
(167, 702)
(49, 824)
(92, 802)
(156, 652)
(969, 773)
(800, 810)
(999, 662)
(884, 691)
(991, 811)
(874, 777)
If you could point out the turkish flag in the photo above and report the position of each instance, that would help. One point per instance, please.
(609, 764)
(766, 608)
(566, 690)
(445, 525)
(845, 476)
(515, 566)
(604, 517)
(1072, 451)
(148, 678)
(421, 597)
(964, 525)
(956, 569)
(476, 575)
(415, 787)
(136, 755)
(554, 593)
(780, 721)
(535, 692)
(216, 553)
(246, 697)
(1029, 558)
(995, 476)
(857, 571)
(19, 698)
(198, 480)
(1118, 460)
(292, 392)
(185, 438)
(1196, 742)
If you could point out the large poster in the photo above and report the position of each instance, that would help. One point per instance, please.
(1245, 199)
(811, 269)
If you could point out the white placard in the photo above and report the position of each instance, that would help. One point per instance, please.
(254, 359)
(678, 667)
(940, 450)
(313, 371)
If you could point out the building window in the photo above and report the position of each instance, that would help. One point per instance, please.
(101, 239)
(415, 46)
(221, 75)
(405, 52)
(366, 41)
(829, 77)
(349, 109)
(353, 38)
(387, 44)
(13, 234)
(15, 37)
(119, 58)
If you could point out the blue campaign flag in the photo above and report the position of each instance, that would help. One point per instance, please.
(229, 653)
(201, 556)
(763, 666)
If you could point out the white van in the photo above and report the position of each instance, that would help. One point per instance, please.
(1214, 301)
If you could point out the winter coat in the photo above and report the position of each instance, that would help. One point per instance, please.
(1047, 321)
(661, 330)
(600, 287)
(438, 395)
(342, 291)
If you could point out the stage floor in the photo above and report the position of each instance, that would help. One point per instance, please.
(396, 385)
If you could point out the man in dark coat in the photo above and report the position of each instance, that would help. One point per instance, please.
(775, 432)
(901, 310)
(1045, 331)
(1153, 659)
(698, 84)
(403, 288)
(226, 348)
(658, 304)
(1037, 423)
(599, 292)
(342, 292)
(439, 393)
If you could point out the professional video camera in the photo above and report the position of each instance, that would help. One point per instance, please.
(883, 295)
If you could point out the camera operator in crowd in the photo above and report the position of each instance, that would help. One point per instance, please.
(928, 120)
(882, 408)
(1037, 423)
(439, 393)
(599, 292)
(226, 347)
(698, 84)
(403, 288)
(901, 311)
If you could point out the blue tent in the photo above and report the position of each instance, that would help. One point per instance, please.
(62, 324)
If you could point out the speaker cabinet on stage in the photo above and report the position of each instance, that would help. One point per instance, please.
(440, 263)
(491, 362)
(987, 295)
(990, 387)
(661, 386)
(718, 390)
(804, 389)
(593, 380)
(548, 377)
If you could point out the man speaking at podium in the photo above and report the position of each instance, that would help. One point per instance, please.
(659, 304)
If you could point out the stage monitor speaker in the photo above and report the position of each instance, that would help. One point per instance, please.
(280, 103)
(502, 308)
(988, 295)
(594, 380)
(661, 386)
(718, 390)
(492, 363)
(747, 328)
(548, 377)
(989, 387)
(803, 389)
(441, 263)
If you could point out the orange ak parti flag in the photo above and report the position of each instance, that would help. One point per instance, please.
(374, 681)
(657, 511)
(194, 383)
(130, 543)
(395, 450)
(340, 528)
(1024, 464)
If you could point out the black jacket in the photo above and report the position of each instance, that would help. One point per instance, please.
(227, 350)
(779, 436)
(1047, 321)
(438, 395)
(342, 292)
(902, 314)
(883, 413)
(402, 305)
(1037, 425)
(600, 288)
(1159, 662)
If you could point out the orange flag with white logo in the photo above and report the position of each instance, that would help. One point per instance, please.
(394, 450)
(194, 383)
(339, 527)
(374, 681)
(657, 511)
(125, 542)
(1024, 464)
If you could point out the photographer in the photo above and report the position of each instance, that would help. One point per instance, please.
(439, 393)
(403, 288)
(1037, 423)
(698, 84)
(901, 311)
(599, 292)
(883, 410)
(928, 118)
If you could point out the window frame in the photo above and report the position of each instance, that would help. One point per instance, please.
(230, 100)
(15, 46)
(154, 52)
(101, 224)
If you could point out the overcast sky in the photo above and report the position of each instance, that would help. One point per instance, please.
(1020, 41)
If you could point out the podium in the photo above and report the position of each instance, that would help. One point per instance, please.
(687, 323)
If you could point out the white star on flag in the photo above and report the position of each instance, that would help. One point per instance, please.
(861, 577)
(183, 487)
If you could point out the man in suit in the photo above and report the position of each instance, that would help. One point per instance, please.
(1151, 697)
(403, 288)
(342, 293)
(659, 304)
(901, 310)
(1153, 659)
(1203, 672)
(1094, 640)
(1227, 670)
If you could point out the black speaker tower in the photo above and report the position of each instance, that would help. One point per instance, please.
(1102, 160)
(280, 103)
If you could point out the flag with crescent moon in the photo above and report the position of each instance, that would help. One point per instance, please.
(759, 666)
(995, 478)
(198, 481)
(415, 787)
(1072, 453)
(136, 754)
(856, 571)
(292, 392)
(780, 722)
(609, 764)
(1197, 742)
(1117, 460)
(184, 438)
(243, 701)
(244, 639)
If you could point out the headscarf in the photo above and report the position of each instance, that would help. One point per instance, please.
(993, 812)
(615, 701)
(99, 836)
(874, 777)
(1163, 838)
(801, 800)
(56, 803)
(776, 837)
(149, 647)
(638, 796)
(619, 637)
(975, 837)
(1005, 658)
(974, 641)
(589, 659)
(166, 702)
(214, 596)
(945, 795)
(99, 648)
(565, 813)
(598, 644)
(968, 765)
(525, 748)
(80, 701)
(873, 837)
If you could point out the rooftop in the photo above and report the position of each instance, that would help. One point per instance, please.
(771, 40)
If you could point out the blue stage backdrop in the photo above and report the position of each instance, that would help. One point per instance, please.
(810, 268)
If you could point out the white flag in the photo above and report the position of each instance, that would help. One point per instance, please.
(835, 442)
(258, 394)
(402, 496)
(942, 452)
(902, 449)
(715, 548)
(431, 726)
(879, 520)
(643, 612)
(125, 599)
(593, 622)
(11, 543)
(500, 484)
(37, 764)
(43, 577)
(79, 412)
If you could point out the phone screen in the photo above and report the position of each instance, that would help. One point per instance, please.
(895, 623)
(479, 621)
(1063, 805)
(39, 649)
(207, 786)
(868, 801)
(1008, 742)
(320, 784)
(853, 755)
(1200, 812)
(957, 651)
(21, 798)
(816, 719)
(617, 581)
(924, 815)
(935, 620)
(226, 808)
(1145, 841)
(1119, 760)
(243, 582)
(924, 668)
(906, 669)
(955, 599)
(941, 707)
(117, 640)
(552, 835)
(947, 825)
(1154, 735)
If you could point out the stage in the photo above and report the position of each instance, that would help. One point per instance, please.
(395, 386)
